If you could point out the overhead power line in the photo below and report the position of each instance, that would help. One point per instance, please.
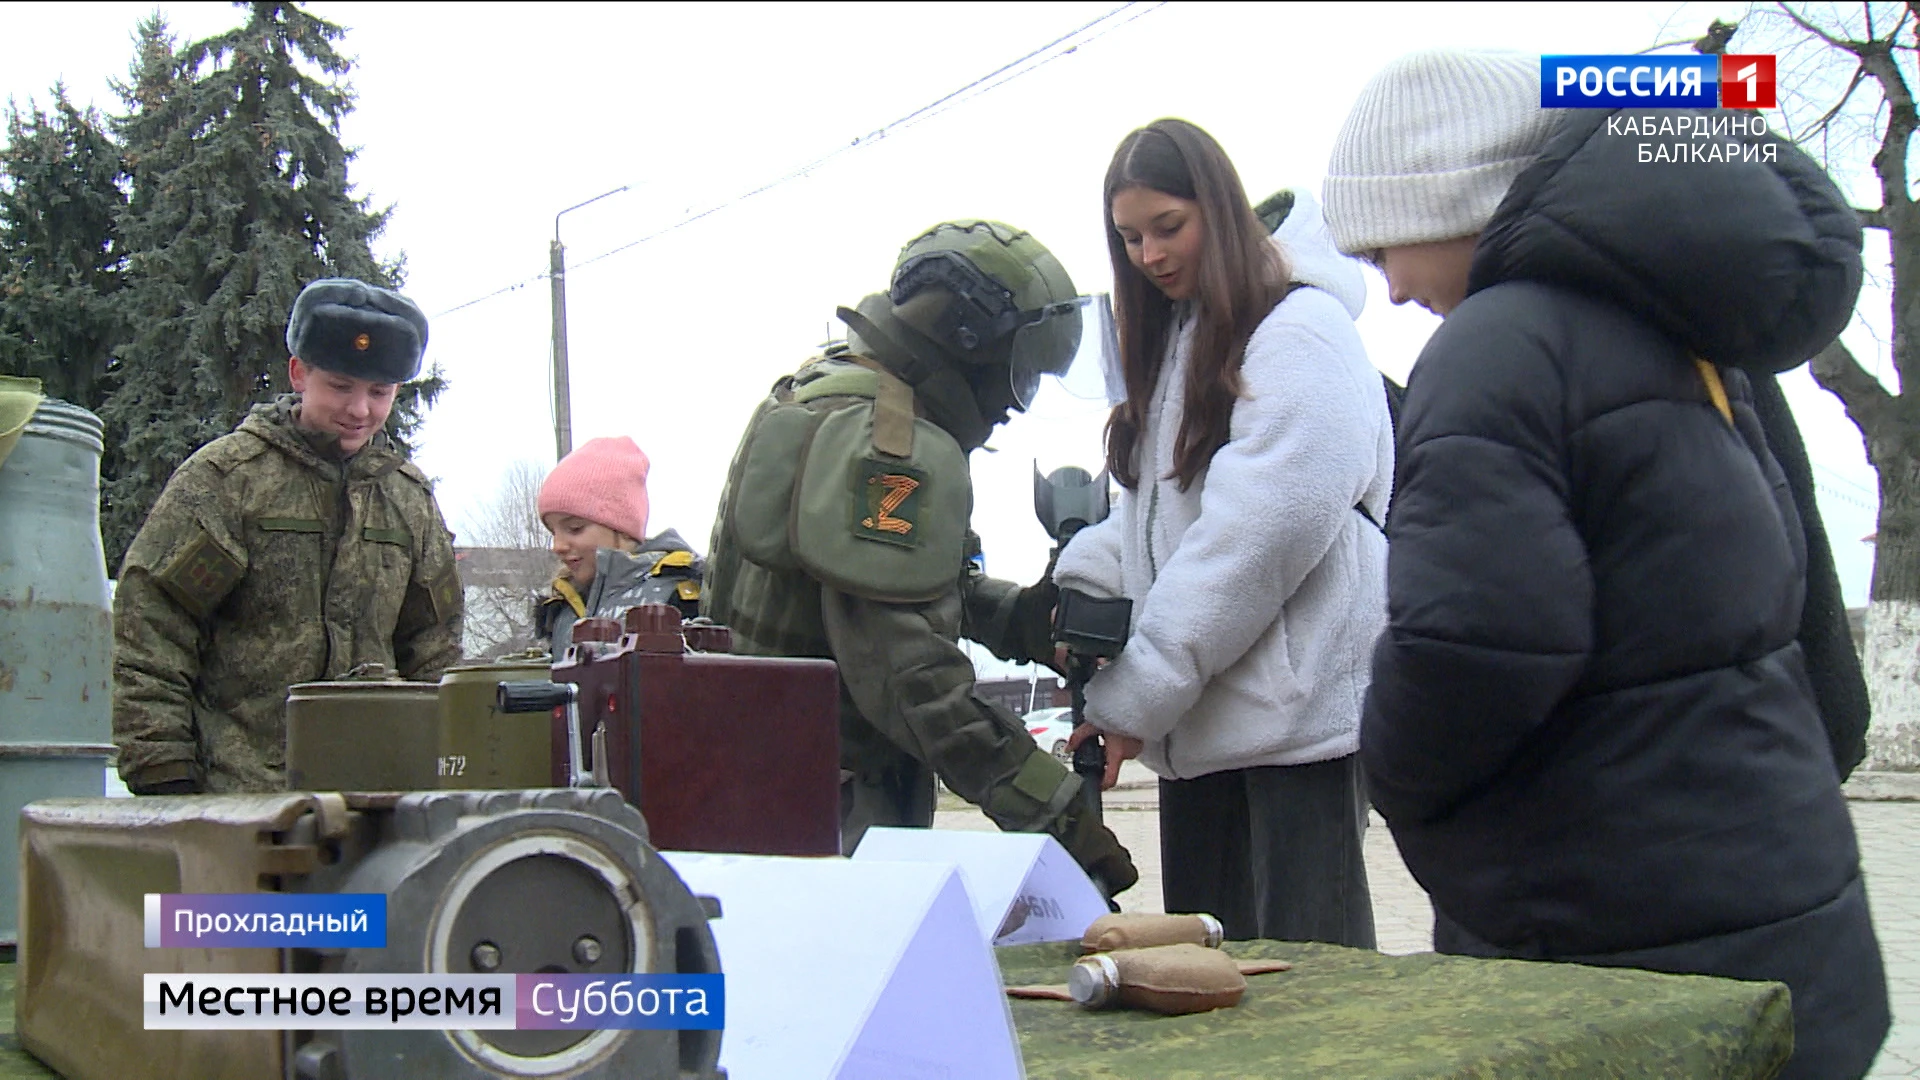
(1837, 475)
(1840, 487)
(1064, 45)
(502, 291)
(1844, 497)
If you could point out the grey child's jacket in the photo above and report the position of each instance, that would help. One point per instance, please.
(665, 570)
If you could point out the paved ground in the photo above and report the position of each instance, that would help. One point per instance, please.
(1890, 851)
(1889, 848)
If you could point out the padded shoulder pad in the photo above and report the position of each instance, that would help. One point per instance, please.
(231, 450)
(413, 473)
(879, 526)
(760, 502)
(847, 381)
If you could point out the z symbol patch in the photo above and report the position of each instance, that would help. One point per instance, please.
(887, 502)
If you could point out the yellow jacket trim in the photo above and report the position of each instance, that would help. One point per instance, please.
(1715, 388)
(571, 595)
(671, 560)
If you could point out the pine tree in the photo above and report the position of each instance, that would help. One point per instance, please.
(61, 262)
(240, 197)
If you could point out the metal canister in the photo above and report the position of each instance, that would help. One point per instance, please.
(56, 623)
(482, 747)
(369, 731)
(1094, 981)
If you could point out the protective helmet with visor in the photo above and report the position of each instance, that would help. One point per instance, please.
(1009, 300)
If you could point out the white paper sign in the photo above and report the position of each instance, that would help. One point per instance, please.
(1025, 887)
(852, 970)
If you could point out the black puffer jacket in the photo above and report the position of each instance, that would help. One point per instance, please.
(1590, 725)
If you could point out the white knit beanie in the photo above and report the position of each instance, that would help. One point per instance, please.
(1431, 147)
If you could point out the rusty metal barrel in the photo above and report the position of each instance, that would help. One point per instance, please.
(56, 621)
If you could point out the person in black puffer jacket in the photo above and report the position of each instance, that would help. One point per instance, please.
(1590, 725)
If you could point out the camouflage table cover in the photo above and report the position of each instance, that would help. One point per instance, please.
(1352, 1013)
(1355, 1013)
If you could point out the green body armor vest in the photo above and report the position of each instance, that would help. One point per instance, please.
(836, 481)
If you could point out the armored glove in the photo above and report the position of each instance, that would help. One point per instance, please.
(1032, 629)
(1097, 850)
(1033, 608)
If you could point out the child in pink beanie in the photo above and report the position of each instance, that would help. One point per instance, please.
(595, 505)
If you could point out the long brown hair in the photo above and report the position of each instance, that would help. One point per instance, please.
(1240, 278)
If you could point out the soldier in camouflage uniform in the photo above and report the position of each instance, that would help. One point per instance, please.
(843, 533)
(294, 549)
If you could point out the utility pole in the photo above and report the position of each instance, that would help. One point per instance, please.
(562, 390)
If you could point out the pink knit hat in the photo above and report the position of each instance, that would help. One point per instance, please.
(603, 481)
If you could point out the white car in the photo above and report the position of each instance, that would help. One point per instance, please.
(1050, 728)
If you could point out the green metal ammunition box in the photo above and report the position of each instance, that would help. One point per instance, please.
(481, 747)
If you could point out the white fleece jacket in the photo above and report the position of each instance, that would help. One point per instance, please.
(1257, 592)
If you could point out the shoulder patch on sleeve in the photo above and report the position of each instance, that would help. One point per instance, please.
(883, 528)
(445, 592)
(887, 502)
(200, 574)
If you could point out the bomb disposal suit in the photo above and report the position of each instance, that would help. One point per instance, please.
(843, 533)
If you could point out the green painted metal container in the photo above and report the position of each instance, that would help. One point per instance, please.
(371, 731)
(56, 628)
(482, 747)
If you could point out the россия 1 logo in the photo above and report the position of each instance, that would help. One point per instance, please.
(1657, 82)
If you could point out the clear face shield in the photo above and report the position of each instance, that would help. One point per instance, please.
(1076, 342)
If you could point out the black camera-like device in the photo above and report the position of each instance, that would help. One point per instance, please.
(1092, 628)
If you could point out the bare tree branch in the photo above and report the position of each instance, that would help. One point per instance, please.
(507, 566)
(1838, 43)
(1867, 402)
(1887, 415)
(1891, 162)
(1893, 36)
(1859, 74)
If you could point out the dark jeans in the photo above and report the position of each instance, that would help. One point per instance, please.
(1272, 852)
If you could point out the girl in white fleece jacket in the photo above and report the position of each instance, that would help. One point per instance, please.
(1256, 455)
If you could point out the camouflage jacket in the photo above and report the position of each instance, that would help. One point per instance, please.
(267, 562)
(664, 570)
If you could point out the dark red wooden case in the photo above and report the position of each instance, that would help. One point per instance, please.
(720, 752)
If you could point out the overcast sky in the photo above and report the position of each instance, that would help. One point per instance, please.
(478, 122)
